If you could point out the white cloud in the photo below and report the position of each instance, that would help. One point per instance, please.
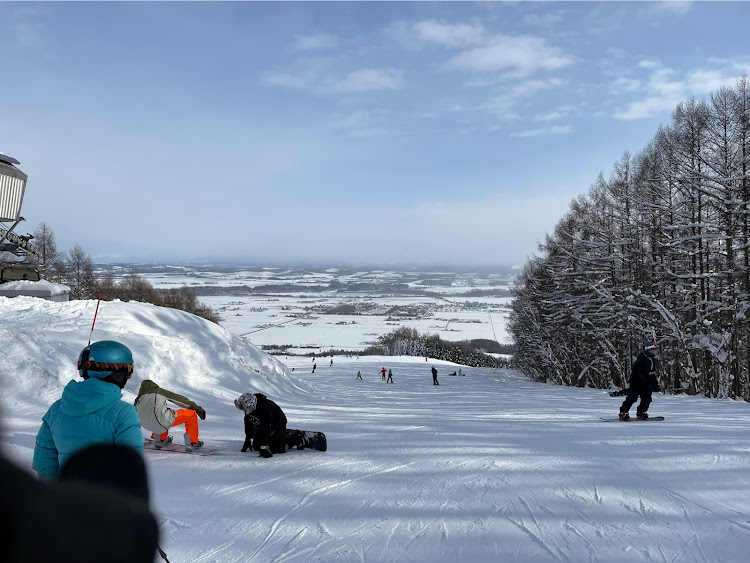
(301, 80)
(368, 79)
(522, 55)
(706, 81)
(417, 35)
(314, 42)
(449, 35)
(669, 7)
(503, 105)
(663, 91)
(649, 63)
(544, 131)
(625, 84)
(557, 113)
(320, 80)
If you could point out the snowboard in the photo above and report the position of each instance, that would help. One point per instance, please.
(148, 444)
(315, 440)
(634, 419)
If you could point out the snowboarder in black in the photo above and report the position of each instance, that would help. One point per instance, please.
(434, 376)
(265, 426)
(314, 366)
(642, 383)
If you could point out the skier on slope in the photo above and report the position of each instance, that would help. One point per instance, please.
(434, 376)
(383, 373)
(265, 426)
(90, 411)
(156, 416)
(642, 383)
(390, 377)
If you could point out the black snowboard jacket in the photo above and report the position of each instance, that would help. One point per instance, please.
(267, 422)
(643, 374)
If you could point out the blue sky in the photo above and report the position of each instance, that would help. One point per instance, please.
(451, 133)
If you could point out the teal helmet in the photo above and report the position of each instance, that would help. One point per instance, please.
(106, 360)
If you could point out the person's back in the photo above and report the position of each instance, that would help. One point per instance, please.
(90, 411)
(72, 522)
(642, 366)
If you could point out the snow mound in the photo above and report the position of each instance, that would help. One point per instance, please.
(41, 340)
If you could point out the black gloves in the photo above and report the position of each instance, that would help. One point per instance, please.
(201, 412)
(265, 452)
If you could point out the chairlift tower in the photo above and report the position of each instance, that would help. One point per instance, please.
(12, 189)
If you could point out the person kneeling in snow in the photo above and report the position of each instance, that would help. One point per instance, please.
(155, 415)
(265, 426)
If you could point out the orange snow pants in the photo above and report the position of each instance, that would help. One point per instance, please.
(190, 419)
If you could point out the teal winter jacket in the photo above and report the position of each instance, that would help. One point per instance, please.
(89, 412)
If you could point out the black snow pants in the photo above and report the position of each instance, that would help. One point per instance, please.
(643, 391)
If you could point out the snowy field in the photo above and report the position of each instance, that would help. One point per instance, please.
(484, 468)
(313, 315)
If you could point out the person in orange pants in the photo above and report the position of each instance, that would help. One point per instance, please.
(155, 415)
(190, 419)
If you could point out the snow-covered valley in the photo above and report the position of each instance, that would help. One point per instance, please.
(486, 467)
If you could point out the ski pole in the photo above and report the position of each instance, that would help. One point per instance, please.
(162, 554)
(92, 324)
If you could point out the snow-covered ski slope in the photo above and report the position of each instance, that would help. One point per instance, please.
(484, 468)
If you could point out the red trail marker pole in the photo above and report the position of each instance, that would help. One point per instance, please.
(95, 314)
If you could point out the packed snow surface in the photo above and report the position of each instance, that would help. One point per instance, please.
(487, 467)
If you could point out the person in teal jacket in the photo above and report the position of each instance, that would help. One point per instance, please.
(90, 411)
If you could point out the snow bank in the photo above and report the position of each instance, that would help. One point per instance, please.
(41, 340)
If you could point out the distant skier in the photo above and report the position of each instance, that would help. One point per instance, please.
(359, 375)
(642, 383)
(460, 372)
(390, 377)
(156, 416)
(434, 376)
(314, 366)
(265, 426)
(454, 373)
(382, 373)
(90, 411)
(331, 361)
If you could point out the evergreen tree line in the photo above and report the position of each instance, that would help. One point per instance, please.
(76, 270)
(659, 251)
(405, 341)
